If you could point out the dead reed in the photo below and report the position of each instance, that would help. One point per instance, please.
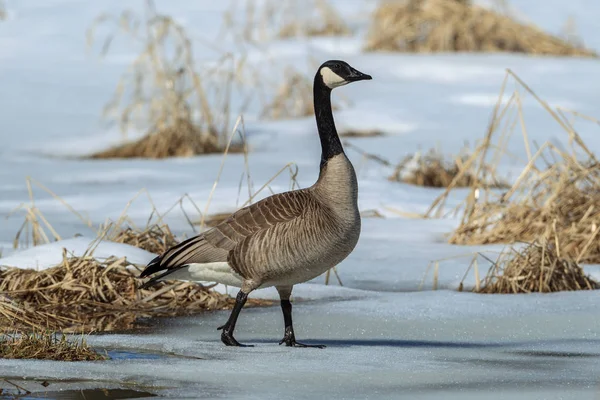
(558, 190)
(182, 139)
(215, 219)
(36, 229)
(83, 294)
(433, 170)
(360, 133)
(183, 111)
(426, 26)
(46, 345)
(317, 19)
(154, 238)
(3, 14)
(282, 19)
(293, 97)
(537, 268)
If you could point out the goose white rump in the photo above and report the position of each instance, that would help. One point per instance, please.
(219, 272)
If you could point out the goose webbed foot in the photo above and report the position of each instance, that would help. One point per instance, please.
(290, 340)
(228, 339)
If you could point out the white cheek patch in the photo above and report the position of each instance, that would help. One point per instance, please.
(331, 79)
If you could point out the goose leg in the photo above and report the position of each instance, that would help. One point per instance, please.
(228, 328)
(286, 306)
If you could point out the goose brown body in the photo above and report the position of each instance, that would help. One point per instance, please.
(284, 239)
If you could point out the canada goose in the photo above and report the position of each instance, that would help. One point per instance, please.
(287, 238)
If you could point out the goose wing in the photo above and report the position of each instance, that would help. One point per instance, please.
(216, 244)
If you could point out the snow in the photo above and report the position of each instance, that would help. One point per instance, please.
(50, 255)
(388, 333)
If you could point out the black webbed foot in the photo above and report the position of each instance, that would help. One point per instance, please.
(290, 341)
(228, 339)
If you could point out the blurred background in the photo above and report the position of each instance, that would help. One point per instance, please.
(100, 100)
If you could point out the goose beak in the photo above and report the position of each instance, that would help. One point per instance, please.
(358, 76)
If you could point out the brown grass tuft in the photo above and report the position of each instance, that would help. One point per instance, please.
(293, 97)
(537, 268)
(565, 198)
(425, 26)
(84, 294)
(183, 111)
(155, 238)
(558, 190)
(325, 22)
(360, 133)
(282, 19)
(183, 139)
(433, 170)
(46, 345)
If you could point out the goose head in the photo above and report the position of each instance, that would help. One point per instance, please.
(336, 73)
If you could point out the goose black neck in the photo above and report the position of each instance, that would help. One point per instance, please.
(330, 141)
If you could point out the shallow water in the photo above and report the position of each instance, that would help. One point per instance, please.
(84, 394)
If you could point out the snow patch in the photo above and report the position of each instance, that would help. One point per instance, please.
(49, 255)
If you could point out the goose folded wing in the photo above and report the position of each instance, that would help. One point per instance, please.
(215, 244)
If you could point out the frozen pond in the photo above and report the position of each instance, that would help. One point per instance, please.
(387, 346)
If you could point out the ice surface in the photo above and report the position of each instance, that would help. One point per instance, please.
(386, 339)
(411, 345)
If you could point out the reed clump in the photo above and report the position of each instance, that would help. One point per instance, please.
(558, 190)
(182, 139)
(83, 294)
(565, 198)
(46, 345)
(433, 169)
(283, 19)
(154, 238)
(184, 112)
(536, 268)
(425, 26)
(3, 14)
(323, 21)
(293, 97)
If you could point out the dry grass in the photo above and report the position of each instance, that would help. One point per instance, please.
(154, 238)
(83, 294)
(293, 97)
(537, 268)
(322, 21)
(282, 19)
(183, 111)
(360, 133)
(183, 139)
(426, 26)
(564, 197)
(46, 346)
(434, 170)
(558, 190)
(36, 229)
(3, 14)
(215, 219)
